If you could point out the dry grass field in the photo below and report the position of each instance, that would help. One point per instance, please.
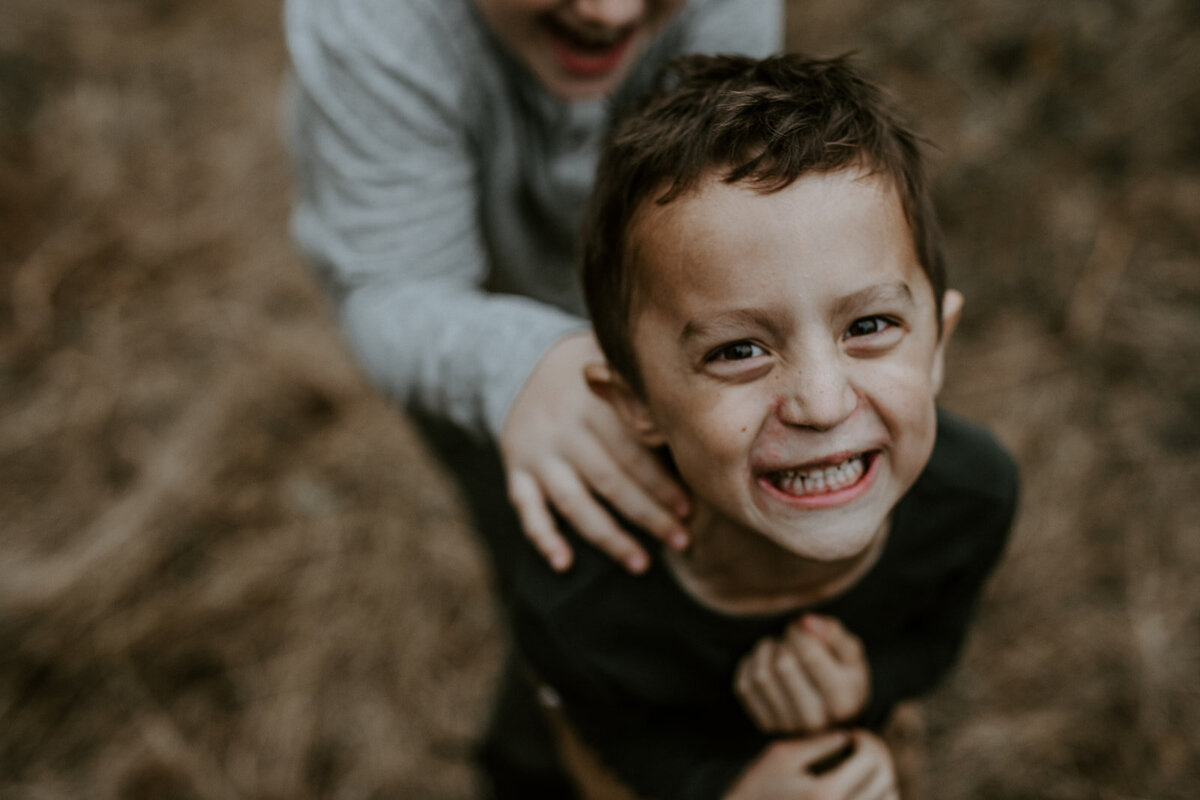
(228, 569)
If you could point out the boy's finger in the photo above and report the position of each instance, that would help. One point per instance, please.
(807, 706)
(881, 787)
(836, 685)
(755, 704)
(815, 749)
(591, 520)
(768, 686)
(846, 647)
(881, 784)
(536, 521)
(849, 649)
(853, 776)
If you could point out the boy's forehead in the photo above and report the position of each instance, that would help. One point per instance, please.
(738, 199)
(658, 228)
(666, 240)
(659, 233)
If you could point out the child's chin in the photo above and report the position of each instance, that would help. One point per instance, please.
(829, 546)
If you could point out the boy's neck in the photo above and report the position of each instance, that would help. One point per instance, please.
(737, 571)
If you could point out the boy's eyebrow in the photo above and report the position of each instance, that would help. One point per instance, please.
(883, 293)
(734, 318)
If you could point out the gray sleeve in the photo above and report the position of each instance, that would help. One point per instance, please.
(748, 27)
(386, 209)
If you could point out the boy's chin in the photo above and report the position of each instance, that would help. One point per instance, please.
(830, 546)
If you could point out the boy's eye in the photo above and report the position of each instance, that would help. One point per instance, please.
(865, 326)
(738, 351)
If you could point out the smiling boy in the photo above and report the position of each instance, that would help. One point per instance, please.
(765, 278)
(788, 356)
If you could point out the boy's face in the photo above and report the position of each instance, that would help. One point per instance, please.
(790, 355)
(578, 48)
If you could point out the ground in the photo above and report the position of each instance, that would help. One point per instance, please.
(229, 570)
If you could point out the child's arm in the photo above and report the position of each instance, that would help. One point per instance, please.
(813, 677)
(792, 769)
(390, 211)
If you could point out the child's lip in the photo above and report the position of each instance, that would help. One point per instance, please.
(587, 55)
(816, 463)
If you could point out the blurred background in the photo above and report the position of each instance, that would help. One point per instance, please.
(228, 569)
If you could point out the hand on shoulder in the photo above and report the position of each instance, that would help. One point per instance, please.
(563, 448)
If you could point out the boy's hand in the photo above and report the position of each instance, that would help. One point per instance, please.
(791, 770)
(814, 676)
(562, 446)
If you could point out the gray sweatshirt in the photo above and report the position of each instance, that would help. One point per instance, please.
(439, 187)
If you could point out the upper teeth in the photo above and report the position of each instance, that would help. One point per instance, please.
(822, 479)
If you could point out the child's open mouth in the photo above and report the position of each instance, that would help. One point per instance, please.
(588, 53)
(827, 481)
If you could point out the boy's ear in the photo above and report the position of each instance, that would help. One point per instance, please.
(614, 390)
(952, 303)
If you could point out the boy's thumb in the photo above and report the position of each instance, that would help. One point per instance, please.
(821, 753)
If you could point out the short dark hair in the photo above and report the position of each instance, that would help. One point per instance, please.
(763, 122)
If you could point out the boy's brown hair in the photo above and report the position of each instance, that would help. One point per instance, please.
(764, 122)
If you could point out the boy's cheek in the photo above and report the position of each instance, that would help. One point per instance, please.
(710, 424)
(900, 381)
(720, 420)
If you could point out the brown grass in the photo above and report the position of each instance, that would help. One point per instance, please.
(227, 569)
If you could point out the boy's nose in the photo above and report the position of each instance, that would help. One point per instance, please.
(609, 13)
(819, 395)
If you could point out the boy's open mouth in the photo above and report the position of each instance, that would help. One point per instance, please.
(822, 480)
(588, 53)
